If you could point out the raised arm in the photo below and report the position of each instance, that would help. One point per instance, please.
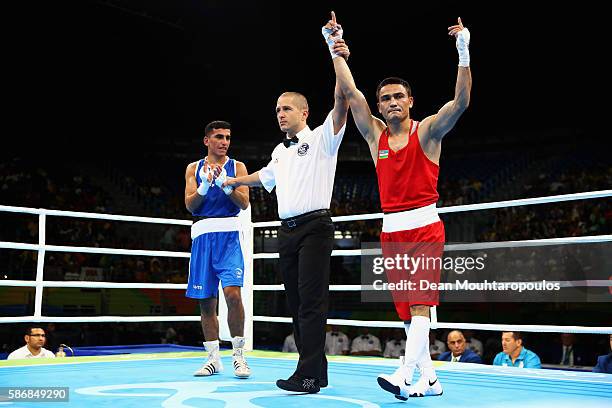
(369, 126)
(341, 105)
(341, 108)
(433, 128)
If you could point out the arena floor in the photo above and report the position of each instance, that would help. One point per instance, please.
(165, 380)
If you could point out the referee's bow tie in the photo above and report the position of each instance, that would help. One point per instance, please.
(287, 142)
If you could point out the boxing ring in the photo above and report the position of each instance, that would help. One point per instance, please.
(166, 380)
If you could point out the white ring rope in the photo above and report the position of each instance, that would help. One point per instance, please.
(93, 250)
(465, 326)
(473, 207)
(464, 247)
(97, 216)
(98, 319)
(265, 288)
(338, 322)
(592, 283)
(41, 247)
(339, 252)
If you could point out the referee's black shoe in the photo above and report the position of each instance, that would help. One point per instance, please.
(299, 384)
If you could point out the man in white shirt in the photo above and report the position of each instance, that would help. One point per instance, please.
(366, 344)
(336, 342)
(395, 347)
(35, 340)
(302, 169)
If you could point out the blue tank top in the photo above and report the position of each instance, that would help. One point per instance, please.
(216, 203)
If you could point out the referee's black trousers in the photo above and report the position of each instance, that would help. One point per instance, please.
(305, 253)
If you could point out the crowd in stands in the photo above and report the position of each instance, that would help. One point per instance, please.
(577, 218)
(27, 184)
(355, 192)
(30, 184)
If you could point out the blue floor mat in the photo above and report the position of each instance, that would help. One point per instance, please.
(169, 383)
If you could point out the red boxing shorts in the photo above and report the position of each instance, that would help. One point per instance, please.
(413, 257)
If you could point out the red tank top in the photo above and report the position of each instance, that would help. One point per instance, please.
(407, 179)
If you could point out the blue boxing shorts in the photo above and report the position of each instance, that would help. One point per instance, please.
(215, 256)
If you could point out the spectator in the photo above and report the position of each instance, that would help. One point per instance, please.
(336, 342)
(514, 354)
(459, 352)
(436, 347)
(568, 353)
(395, 347)
(289, 345)
(169, 237)
(366, 344)
(604, 363)
(51, 337)
(170, 336)
(35, 340)
(156, 270)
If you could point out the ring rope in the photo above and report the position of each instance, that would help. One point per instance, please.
(41, 247)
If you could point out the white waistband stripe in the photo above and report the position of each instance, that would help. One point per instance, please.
(215, 225)
(411, 219)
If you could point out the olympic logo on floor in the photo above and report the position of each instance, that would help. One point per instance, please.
(178, 393)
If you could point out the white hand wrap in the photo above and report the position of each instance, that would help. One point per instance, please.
(221, 178)
(204, 185)
(463, 47)
(331, 39)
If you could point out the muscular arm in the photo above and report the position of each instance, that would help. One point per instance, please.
(369, 126)
(442, 122)
(433, 128)
(240, 195)
(341, 108)
(192, 199)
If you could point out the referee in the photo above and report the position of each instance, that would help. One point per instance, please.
(302, 169)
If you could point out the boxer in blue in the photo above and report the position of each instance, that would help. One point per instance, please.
(216, 252)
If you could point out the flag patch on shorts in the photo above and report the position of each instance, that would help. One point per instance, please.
(383, 154)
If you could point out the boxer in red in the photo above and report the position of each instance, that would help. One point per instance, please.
(407, 154)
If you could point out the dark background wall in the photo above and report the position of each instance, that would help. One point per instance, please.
(120, 78)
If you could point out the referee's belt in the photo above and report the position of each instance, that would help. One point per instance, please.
(303, 218)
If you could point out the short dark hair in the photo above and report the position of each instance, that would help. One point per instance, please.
(29, 329)
(216, 124)
(516, 335)
(393, 80)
